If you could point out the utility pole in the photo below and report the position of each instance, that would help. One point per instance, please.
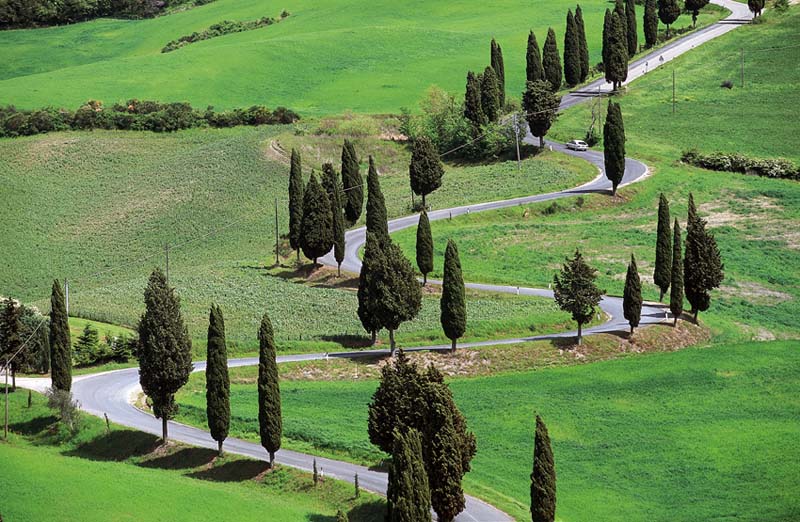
(5, 427)
(741, 51)
(516, 137)
(673, 91)
(66, 295)
(166, 253)
(277, 261)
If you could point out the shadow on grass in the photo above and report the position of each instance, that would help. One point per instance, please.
(234, 471)
(350, 341)
(34, 426)
(186, 458)
(116, 446)
(374, 511)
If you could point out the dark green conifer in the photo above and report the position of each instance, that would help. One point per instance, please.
(338, 219)
(86, 346)
(270, 421)
(606, 50)
(165, 348)
(60, 342)
(317, 237)
(377, 222)
(632, 295)
(616, 59)
(499, 70)
(572, 52)
(453, 302)
(543, 477)
(424, 246)
(575, 291)
(407, 495)
(425, 169)
(10, 339)
(676, 290)
(650, 23)
(472, 102)
(619, 9)
(551, 60)
(694, 6)
(584, 46)
(534, 70)
(218, 387)
(662, 274)
(631, 29)
(490, 95)
(296, 192)
(332, 183)
(702, 265)
(541, 107)
(756, 6)
(614, 145)
(352, 183)
(668, 12)
(368, 283)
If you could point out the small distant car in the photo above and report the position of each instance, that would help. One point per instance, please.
(577, 145)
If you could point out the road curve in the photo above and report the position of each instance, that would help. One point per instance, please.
(112, 392)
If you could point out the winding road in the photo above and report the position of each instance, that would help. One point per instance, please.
(112, 393)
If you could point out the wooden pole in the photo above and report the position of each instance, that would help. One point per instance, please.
(277, 260)
(673, 91)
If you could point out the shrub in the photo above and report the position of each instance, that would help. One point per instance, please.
(591, 137)
(727, 84)
(221, 29)
(66, 408)
(735, 162)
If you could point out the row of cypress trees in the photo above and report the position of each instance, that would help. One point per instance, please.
(485, 94)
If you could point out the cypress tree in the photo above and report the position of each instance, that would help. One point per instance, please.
(619, 10)
(377, 222)
(632, 295)
(543, 477)
(472, 101)
(534, 70)
(551, 61)
(338, 220)
(575, 292)
(614, 149)
(490, 95)
(572, 52)
(668, 12)
(582, 43)
(165, 348)
(606, 50)
(453, 302)
(631, 29)
(317, 237)
(499, 69)
(407, 496)
(694, 7)
(10, 340)
(676, 290)
(662, 274)
(270, 423)
(60, 342)
(650, 23)
(424, 246)
(425, 169)
(616, 63)
(702, 265)
(541, 105)
(352, 183)
(218, 387)
(296, 191)
(332, 184)
(368, 282)
(756, 6)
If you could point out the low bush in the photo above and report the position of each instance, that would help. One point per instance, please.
(221, 29)
(735, 162)
(67, 409)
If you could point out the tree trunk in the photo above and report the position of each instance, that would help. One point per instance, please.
(298, 255)
(660, 295)
(695, 316)
(271, 460)
(613, 190)
(13, 377)
(315, 264)
(424, 279)
(374, 337)
(453, 345)
(164, 433)
(423, 201)
(631, 335)
(339, 270)
(580, 332)
(541, 142)
(391, 342)
(675, 321)
(219, 448)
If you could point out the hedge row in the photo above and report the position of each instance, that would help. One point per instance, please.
(769, 168)
(135, 115)
(221, 29)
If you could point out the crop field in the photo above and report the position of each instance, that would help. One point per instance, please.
(670, 436)
(327, 57)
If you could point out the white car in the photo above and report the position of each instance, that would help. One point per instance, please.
(577, 145)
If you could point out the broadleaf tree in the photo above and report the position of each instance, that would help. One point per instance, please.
(541, 107)
(575, 291)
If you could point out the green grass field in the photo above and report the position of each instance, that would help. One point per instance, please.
(327, 57)
(690, 435)
(117, 476)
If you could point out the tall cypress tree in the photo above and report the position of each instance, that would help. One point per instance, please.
(499, 70)
(472, 101)
(551, 60)
(368, 282)
(534, 71)
(606, 50)
(377, 222)
(425, 169)
(332, 184)
(218, 387)
(694, 7)
(631, 29)
(541, 105)
(424, 246)
(668, 12)
(338, 220)
(632, 295)
(575, 291)
(165, 348)
(543, 477)
(270, 421)
(702, 265)
(676, 290)
(397, 293)
(60, 342)
(614, 145)
(662, 274)
(650, 23)
(490, 95)
(10, 340)
(317, 237)
(616, 60)
(296, 191)
(352, 183)
(407, 495)
(619, 9)
(572, 52)
(453, 302)
(584, 46)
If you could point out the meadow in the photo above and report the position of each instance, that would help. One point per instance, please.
(689, 435)
(327, 57)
